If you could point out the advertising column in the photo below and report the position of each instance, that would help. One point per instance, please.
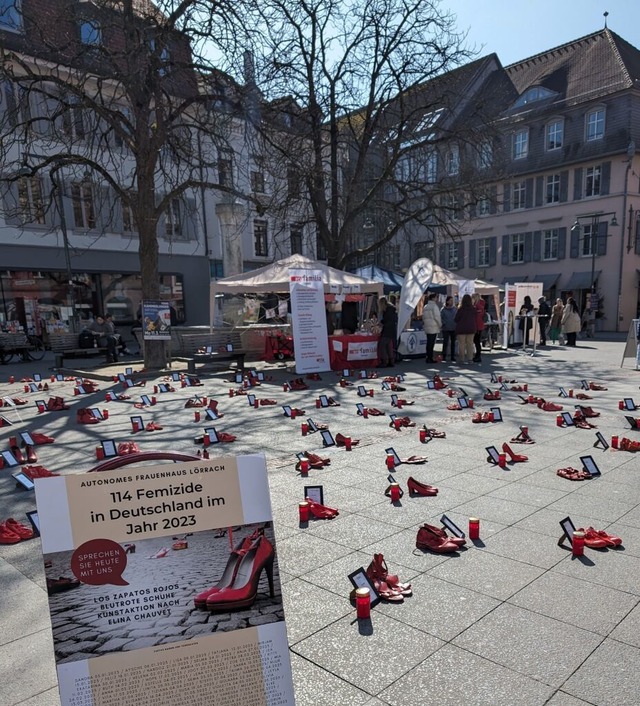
(309, 321)
(163, 585)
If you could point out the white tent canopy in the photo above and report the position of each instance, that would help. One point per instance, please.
(274, 278)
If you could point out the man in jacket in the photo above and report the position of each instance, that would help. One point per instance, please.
(432, 324)
(544, 318)
(479, 306)
(105, 336)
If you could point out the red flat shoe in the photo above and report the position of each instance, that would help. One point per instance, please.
(34, 472)
(386, 592)
(7, 536)
(596, 387)
(18, 528)
(40, 438)
(477, 417)
(224, 438)
(491, 396)
(332, 402)
(321, 512)
(152, 426)
(377, 570)
(573, 474)
(435, 434)
(414, 460)
(18, 401)
(610, 539)
(267, 402)
(591, 538)
(582, 396)
(550, 407)
(416, 488)
(373, 412)
(454, 407)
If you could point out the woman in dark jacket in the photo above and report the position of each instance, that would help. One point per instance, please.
(466, 327)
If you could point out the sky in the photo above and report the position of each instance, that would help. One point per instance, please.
(517, 29)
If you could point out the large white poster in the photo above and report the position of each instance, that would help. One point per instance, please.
(309, 321)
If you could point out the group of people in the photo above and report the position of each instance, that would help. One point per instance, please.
(103, 329)
(560, 319)
(462, 325)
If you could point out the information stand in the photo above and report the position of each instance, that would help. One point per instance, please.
(631, 347)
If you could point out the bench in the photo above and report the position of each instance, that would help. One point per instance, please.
(193, 346)
(65, 345)
(28, 348)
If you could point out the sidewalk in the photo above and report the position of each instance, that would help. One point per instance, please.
(513, 619)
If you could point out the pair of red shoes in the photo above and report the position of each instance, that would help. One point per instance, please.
(56, 404)
(594, 386)
(267, 402)
(515, 458)
(548, 406)
(84, 416)
(573, 474)
(321, 512)
(435, 539)
(152, 426)
(482, 417)
(628, 445)
(599, 539)
(388, 586)
(434, 433)
(492, 396)
(30, 457)
(12, 532)
(315, 461)
(403, 422)
(128, 447)
(588, 412)
(195, 402)
(298, 384)
(374, 412)
(34, 472)
(17, 401)
(340, 440)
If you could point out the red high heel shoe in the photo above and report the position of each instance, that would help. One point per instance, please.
(432, 538)
(321, 512)
(589, 412)
(244, 590)
(440, 532)
(596, 387)
(230, 570)
(32, 456)
(416, 488)
(515, 458)
(340, 440)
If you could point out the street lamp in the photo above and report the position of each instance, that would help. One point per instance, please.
(595, 234)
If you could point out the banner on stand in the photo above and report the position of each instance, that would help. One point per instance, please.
(309, 321)
(132, 558)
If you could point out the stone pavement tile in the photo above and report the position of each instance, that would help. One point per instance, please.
(577, 505)
(470, 482)
(545, 521)
(631, 518)
(50, 697)
(27, 667)
(548, 478)
(400, 550)
(438, 607)
(309, 608)
(528, 494)
(510, 474)
(312, 684)
(605, 567)
(351, 530)
(562, 699)
(370, 657)
(531, 644)
(572, 601)
(630, 537)
(455, 676)
(376, 702)
(608, 489)
(495, 509)
(527, 547)
(410, 512)
(609, 677)
(24, 605)
(300, 554)
(490, 574)
(333, 577)
(628, 630)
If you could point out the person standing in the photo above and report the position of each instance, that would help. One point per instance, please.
(544, 316)
(479, 305)
(571, 321)
(389, 323)
(525, 322)
(465, 319)
(556, 321)
(432, 324)
(447, 316)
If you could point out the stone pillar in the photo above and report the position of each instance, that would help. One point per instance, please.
(232, 216)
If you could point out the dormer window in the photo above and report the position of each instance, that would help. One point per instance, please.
(533, 94)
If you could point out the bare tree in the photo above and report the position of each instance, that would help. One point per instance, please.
(116, 101)
(374, 114)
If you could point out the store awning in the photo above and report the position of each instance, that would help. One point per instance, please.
(581, 280)
(547, 281)
(515, 279)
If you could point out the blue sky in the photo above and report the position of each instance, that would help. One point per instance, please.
(517, 29)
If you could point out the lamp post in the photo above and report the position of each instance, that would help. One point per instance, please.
(595, 219)
(632, 228)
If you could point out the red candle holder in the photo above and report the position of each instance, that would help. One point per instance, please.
(304, 428)
(397, 424)
(317, 404)
(363, 603)
(26, 388)
(53, 379)
(474, 528)
(154, 400)
(231, 392)
(256, 403)
(620, 404)
(196, 416)
(12, 379)
(614, 442)
(471, 404)
(570, 393)
(105, 414)
(395, 492)
(559, 420)
(303, 511)
(365, 412)
(206, 440)
(285, 387)
(99, 453)
(502, 460)
(370, 392)
(41, 408)
(135, 426)
(423, 435)
(391, 462)
(577, 544)
(204, 400)
(525, 387)
(304, 466)
(347, 443)
(492, 417)
(525, 432)
(294, 414)
(155, 389)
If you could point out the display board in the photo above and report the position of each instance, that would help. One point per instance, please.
(163, 582)
(156, 320)
(309, 321)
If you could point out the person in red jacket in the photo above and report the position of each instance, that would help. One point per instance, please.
(465, 319)
(479, 306)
